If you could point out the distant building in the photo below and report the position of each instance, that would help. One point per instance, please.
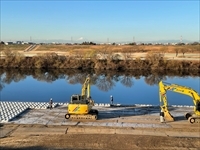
(31, 43)
(8, 43)
(19, 42)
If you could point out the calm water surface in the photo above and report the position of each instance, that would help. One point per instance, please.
(125, 89)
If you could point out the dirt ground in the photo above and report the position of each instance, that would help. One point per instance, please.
(54, 140)
(32, 131)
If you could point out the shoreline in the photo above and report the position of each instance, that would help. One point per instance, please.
(135, 127)
(116, 62)
(11, 110)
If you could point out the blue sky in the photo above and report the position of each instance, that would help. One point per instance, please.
(101, 21)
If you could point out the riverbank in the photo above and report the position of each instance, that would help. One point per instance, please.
(131, 127)
(30, 112)
(101, 57)
(152, 61)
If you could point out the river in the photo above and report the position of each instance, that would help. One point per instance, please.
(126, 88)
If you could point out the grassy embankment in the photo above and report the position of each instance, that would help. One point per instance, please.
(99, 57)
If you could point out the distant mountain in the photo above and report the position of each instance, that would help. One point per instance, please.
(172, 41)
(85, 40)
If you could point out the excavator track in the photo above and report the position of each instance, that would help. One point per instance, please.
(93, 115)
(192, 118)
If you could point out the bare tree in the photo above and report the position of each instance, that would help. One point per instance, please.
(103, 54)
(183, 50)
(126, 56)
(154, 57)
(163, 50)
(117, 56)
(176, 50)
(126, 53)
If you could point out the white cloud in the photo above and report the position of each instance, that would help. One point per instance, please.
(81, 38)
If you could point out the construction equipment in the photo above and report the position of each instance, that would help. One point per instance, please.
(80, 106)
(192, 117)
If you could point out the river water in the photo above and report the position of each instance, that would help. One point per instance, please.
(40, 86)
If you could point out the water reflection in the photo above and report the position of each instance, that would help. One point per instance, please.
(130, 87)
(154, 79)
(104, 80)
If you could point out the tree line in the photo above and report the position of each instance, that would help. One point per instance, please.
(153, 61)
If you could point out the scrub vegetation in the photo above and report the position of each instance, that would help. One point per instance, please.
(101, 57)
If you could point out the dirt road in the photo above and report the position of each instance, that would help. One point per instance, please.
(56, 140)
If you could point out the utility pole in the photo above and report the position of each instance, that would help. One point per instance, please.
(71, 40)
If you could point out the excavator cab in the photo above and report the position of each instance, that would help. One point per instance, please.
(78, 99)
(75, 98)
(198, 106)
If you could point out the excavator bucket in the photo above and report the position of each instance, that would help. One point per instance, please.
(168, 116)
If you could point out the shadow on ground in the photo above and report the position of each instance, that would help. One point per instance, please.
(34, 148)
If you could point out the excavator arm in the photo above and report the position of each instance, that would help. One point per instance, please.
(164, 87)
(85, 92)
(164, 103)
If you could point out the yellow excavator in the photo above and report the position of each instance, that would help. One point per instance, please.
(192, 117)
(80, 106)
